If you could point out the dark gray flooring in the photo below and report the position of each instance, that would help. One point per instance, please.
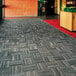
(31, 47)
(50, 17)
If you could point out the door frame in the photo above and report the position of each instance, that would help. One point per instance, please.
(0, 9)
(3, 9)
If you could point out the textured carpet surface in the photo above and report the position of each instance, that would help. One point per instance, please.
(31, 47)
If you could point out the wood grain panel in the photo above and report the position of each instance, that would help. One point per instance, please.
(74, 21)
(68, 20)
(17, 8)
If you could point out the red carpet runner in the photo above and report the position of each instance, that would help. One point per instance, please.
(56, 23)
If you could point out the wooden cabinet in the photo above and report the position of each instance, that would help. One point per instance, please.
(74, 22)
(68, 20)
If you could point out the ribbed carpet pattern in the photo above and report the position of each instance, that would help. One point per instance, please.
(31, 47)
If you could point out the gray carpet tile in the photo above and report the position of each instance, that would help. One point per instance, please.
(31, 47)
